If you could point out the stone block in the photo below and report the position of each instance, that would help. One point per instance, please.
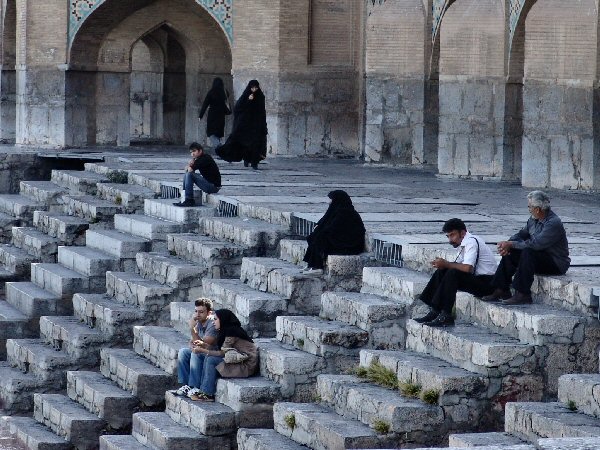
(67, 229)
(116, 243)
(383, 319)
(17, 388)
(256, 310)
(132, 289)
(83, 182)
(483, 439)
(294, 371)
(68, 419)
(208, 418)
(128, 195)
(135, 374)
(19, 206)
(91, 208)
(70, 335)
(531, 421)
(251, 398)
(368, 403)
(58, 279)
(283, 278)
(15, 260)
(33, 434)
(569, 443)
(394, 283)
(34, 301)
(147, 227)
(88, 261)
(44, 192)
(164, 209)
(581, 391)
(37, 244)
(102, 397)
(169, 270)
(120, 442)
(158, 430)
(264, 439)
(160, 345)
(318, 427)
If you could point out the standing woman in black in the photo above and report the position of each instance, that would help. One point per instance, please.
(248, 139)
(217, 103)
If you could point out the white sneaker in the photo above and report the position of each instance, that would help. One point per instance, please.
(183, 391)
(310, 271)
(193, 392)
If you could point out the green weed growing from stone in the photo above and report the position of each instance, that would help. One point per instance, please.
(378, 374)
(117, 177)
(409, 389)
(572, 405)
(381, 427)
(118, 200)
(290, 421)
(431, 396)
(300, 342)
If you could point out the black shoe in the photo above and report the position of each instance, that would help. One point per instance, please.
(185, 203)
(443, 320)
(497, 295)
(246, 163)
(518, 299)
(255, 166)
(432, 314)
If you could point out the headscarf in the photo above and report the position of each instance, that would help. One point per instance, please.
(341, 223)
(230, 326)
(339, 199)
(217, 91)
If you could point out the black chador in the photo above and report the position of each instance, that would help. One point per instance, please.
(339, 232)
(217, 100)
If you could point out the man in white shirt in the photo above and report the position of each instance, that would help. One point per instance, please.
(471, 271)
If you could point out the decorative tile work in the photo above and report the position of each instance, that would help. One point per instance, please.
(516, 6)
(221, 10)
(439, 8)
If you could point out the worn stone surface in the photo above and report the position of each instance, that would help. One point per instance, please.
(34, 435)
(78, 340)
(380, 317)
(169, 270)
(120, 442)
(136, 374)
(83, 182)
(393, 282)
(67, 229)
(569, 444)
(116, 243)
(263, 439)
(91, 208)
(581, 391)
(19, 206)
(45, 192)
(59, 280)
(145, 226)
(17, 388)
(164, 209)
(160, 345)
(128, 195)
(34, 301)
(39, 245)
(208, 418)
(15, 260)
(88, 261)
(483, 439)
(132, 289)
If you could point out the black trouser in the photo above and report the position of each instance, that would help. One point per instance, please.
(523, 264)
(440, 292)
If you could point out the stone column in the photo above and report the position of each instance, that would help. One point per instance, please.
(472, 90)
(112, 108)
(560, 143)
(8, 89)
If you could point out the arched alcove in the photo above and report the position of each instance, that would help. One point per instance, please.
(8, 77)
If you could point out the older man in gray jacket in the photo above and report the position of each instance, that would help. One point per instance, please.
(539, 248)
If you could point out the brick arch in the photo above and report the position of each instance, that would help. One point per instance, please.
(519, 10)
(9, 34)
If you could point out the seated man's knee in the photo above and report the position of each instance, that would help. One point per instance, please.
(183, 353)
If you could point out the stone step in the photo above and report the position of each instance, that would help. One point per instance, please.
(293, 250)
(251, 398)
(534, 324)
(136, 375)
(102, 397)
(35, 357)
(110, 317)
(37, 244)
(19, 206)
(208, 418)
(285, 279)
(395, 283)
(81, 181)
(474, 348)
(530, 421)
(293, 370)
(78, 340)
(580, 391)
(117, 243)
(120, 442)
(133, 289)
(455, 386)
(158, 431)
(45, 192)
(569, 444)
(352, 398)
(169, 270)
(147, 227)
(15, 324)
(68, 419)
(160, 345)
(483, 439)
(33, 301)
(265, 439)
(7, 222)
(218, 259)
(60, 280)
(15, 260)
(320, 337)
(256, 310)
(261, 236)
(68, 230)
(130, 196)
(88, 261)
(181, 313)
(91, 208)
(382, 318)
(187, 217)
(317, 426)
(17, 388)
(33, 435)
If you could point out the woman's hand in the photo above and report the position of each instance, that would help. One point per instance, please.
(251, 97)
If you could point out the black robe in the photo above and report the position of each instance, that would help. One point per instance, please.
(339, 232)
(248, 139)
(216, 101)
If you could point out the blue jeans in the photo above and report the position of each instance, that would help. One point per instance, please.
(191, 178)
(214, 140)
(190, 367)
(210, 374)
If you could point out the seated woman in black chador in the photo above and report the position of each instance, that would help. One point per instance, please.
(248, 138)
(339, 232)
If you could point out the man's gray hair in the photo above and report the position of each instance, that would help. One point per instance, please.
(539, 199)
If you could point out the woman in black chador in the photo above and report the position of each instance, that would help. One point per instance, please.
(339, 232)
(217, 103)
(248, 139)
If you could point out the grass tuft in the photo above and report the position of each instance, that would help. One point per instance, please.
(290, 421)
(572, 405)
(378, 374)
(117, 177)
(409, 389)
(431, 396)
(118, 200)
(300, 342)
(381, 427)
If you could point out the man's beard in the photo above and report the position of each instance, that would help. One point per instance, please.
(455, 245)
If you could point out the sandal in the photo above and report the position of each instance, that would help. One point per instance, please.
(202, 397)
